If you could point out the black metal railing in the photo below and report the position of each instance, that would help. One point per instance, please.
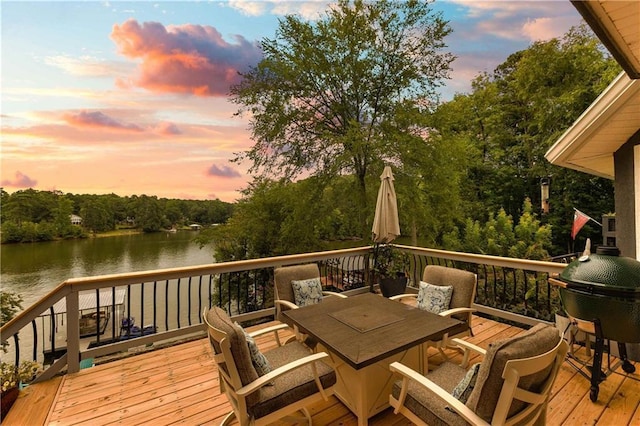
(146, 307)
(167, 304)
(513, 289)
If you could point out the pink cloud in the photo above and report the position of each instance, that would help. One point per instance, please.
(168, 129)
(98, 119)
(546, 28)
(191, 59)
(223, 171)
(21, 181)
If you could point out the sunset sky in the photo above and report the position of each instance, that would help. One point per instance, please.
(130, 97)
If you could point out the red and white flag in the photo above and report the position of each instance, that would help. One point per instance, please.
(579, 220)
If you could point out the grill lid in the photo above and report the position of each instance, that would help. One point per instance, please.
(605, 270)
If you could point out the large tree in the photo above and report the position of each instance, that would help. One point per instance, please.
(330, 97)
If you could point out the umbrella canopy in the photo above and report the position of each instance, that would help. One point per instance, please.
(386, 226)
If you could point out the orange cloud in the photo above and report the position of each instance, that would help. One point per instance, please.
(191, 59)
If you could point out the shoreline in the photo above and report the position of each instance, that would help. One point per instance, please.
(116, 233)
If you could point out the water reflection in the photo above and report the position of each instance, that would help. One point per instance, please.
(33, 270)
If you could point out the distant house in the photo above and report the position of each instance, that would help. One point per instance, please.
(75, 219)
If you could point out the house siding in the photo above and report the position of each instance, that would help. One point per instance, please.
(627, 169)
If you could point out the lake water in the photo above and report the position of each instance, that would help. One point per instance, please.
(32, 270)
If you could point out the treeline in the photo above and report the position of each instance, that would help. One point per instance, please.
(467, 172)
(30, 215)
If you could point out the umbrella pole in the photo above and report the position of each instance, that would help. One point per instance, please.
(376, 248)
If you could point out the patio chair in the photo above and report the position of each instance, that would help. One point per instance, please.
(448, 292)
(297, 286)
(265, 387)
(510, 386)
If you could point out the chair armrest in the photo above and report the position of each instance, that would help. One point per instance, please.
(448, 399)
(454, 311)
(468, 346)
(404, 296)
(333, 293)
(286, 303)
(273, 329)
(272, 375)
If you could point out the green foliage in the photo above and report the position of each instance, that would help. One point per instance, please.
(97, 215)
(280, 217)
(389, 262)
(11, 233)
(273, 218)
(514, 115)
(149, 215)
(340, 95)
(498, 236)
(27, 232)
(499, 233)
(12, 375)
(61, 214)
(10, 304)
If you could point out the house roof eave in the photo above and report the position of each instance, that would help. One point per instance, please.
(618, 38)
(589, 144)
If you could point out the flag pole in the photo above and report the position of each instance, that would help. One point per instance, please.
(589, 217)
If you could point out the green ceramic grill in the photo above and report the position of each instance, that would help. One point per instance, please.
(603, 289)
(605, 286)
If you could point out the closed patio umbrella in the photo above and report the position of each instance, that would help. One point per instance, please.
(386, 226)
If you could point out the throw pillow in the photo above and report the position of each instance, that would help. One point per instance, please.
(434, 298)
(463, 389)
(259, 361)
(307, 292)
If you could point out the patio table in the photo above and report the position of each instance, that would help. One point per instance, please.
(363, 334)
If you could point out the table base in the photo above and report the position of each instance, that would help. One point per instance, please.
(366, 391)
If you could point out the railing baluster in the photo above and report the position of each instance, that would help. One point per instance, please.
(112, 314)
(97, 315)
(17, 345)
(210, 291)
(229, 286)
(141, 325)
(199, 298)
(129, 310)
(35, 340)
(53, 333)
(166, 304)
(178, 302)
(155, 304)
(189, 302)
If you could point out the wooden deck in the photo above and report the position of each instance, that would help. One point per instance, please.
(180, 385)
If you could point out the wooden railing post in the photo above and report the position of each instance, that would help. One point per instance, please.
(73, 332)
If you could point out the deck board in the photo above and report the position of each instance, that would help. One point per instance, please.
(179, 384)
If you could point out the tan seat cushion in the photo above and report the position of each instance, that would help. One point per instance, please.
(484, 397)
(285, 274)
(293, 386)
(536, 341)
(426, 404)
(239, 348)
(463, 283)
